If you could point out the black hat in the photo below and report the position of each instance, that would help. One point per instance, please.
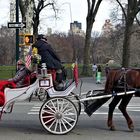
(41, 36)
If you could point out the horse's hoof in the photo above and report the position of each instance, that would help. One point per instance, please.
(131, 128)
(112, 128)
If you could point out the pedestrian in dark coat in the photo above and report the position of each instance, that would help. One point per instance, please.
(52, 61)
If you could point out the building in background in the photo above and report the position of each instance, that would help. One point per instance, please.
(49, 31)
(107, 28)
(12, 11)
(76, 28)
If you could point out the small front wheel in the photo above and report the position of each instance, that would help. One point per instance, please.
(42, 94)
(58, 115)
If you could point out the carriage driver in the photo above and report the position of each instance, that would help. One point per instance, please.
(20, 79)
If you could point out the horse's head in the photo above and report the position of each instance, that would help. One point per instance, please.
(111, 79)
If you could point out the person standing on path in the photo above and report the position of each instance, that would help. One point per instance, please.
(107, 68)
(98, 75)
(94, 69)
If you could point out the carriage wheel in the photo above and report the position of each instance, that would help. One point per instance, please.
(58, 115)
(74, 98)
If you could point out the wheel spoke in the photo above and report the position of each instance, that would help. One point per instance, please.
(67, 122)
(48, 116)
(65, 107)
(61, 109)
(50, 108)
(68, 118)
(49, 112)
(54, 107)
(64, 125)
(68, 110)
(52, 124)
(56, 125)
(60, 126)
(49, 120)
(57, 104)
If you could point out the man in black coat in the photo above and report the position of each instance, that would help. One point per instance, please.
(47, 54)
(52, 61)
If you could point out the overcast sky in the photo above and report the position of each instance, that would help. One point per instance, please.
(78, 13)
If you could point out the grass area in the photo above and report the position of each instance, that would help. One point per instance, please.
(7, 72)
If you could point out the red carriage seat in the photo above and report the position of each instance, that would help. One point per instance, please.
(2, 98)
(30, 79)
(3, 85)
(27, 80)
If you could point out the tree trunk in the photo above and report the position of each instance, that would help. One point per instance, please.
(93, 7)
(87, 50)
(126, 44)
(36, 24)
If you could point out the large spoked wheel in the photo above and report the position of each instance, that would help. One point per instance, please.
(74, 98)
(58, 115)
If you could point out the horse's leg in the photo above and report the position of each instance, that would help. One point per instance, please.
(125, 100)
(112, 106)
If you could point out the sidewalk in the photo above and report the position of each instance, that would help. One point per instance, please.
(88, 83)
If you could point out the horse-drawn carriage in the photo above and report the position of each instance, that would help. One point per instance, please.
(60, 111)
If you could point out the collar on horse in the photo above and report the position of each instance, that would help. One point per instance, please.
(121, 83)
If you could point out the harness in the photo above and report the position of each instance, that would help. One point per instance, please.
(121, 83)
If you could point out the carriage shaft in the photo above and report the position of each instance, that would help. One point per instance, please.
(107, 96)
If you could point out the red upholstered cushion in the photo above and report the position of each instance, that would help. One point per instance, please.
(3, 85)
(2, 98)
(27, 80)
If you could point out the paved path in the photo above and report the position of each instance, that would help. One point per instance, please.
(88, 83)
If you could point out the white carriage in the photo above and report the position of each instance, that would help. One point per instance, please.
(58, 114)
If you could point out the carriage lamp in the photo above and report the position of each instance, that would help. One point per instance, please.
(44, 70)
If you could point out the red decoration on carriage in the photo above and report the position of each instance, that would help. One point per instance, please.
(3, 85)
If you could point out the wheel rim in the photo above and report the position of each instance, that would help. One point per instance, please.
(74, 98)
(58, 115)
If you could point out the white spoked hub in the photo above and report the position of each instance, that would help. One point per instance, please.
(58, 115)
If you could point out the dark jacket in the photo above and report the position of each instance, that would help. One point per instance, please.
(99, 69)
(48, 55)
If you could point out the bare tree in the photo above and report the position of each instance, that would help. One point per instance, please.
(133, 7)
(7, 45)
(93, 6)
(38, 6)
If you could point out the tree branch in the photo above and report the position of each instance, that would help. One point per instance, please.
(123, 10)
